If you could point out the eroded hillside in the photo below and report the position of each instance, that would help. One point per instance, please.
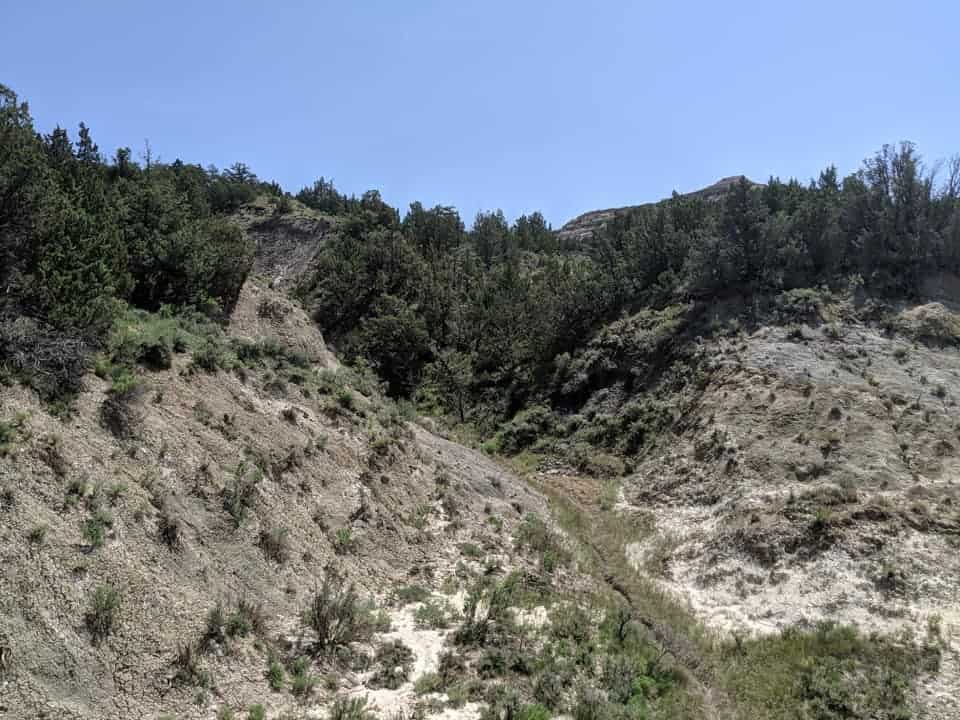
(806, 473)
(227, 492)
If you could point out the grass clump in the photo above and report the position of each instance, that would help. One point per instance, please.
(188, 669)
(302, 681)
(10, 432)
(335, 614)
(101, 618)
(276, 676)
(240, 493)
(343, 541)
(94, 528)
(354, 708)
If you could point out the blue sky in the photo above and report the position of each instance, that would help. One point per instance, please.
(558, 106)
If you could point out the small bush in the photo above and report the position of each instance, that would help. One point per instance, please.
(10, 430)
(428, 683)
(187, 667)
(276, 677)
(247, 617)
(470, 550)
(435, 615)
(343, 542)
(408, 594)
(169, 528)
(302, 681)
(95, 528)
(534, 536)
(487, 609)
(101, 618)
(335, 614)
(239, 495)
(119, 412)
(210, 356)
(395, 661)
(354, 708)
(275, 544)
(257, 712)
(37, 535)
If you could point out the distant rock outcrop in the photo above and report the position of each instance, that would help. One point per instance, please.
(584, 226)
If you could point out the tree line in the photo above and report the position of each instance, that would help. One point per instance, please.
(486, 317)
(477, 321)
(83, 236)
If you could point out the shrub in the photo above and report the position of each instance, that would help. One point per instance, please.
(101, 618)
(534, 711)
(335, 614)
(37, 535)
(434, 614)
(119, 412)
(354, 708)
(487, 608)
(302, 681)
(244, 618)
(428, 683)
(47, 359)
(169, 528)
(275, 544)
(257, 712)
(343, 541)
(407, 594)
(94, 528)
(247, 617)
(238, 496)
(209, 356)
(395, 661)
(470, 550)
(534, 536)
(525, 429)
(10, 430)
(188, 670)
(275, 675)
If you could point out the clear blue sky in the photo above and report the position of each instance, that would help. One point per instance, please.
(558, 106)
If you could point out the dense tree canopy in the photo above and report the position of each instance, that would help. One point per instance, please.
(80, 237)
(489, 317)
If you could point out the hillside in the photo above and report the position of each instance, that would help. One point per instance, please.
(267, 456)
(326, 474)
